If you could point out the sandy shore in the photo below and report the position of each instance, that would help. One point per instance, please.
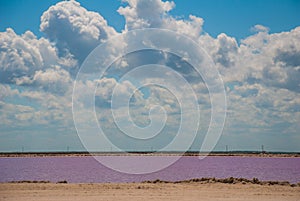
(147, 191)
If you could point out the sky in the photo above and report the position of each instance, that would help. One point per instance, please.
(255, 46)
(233, 17)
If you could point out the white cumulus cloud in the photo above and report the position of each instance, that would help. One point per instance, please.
(154, 14)
(74, 29)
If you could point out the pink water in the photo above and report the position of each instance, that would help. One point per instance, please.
(87, 169)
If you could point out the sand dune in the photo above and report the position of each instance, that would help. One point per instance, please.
(147, 191)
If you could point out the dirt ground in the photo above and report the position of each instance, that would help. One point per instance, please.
(147, 191)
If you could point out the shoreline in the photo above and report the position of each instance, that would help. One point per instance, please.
(203, 180)
(82, 154)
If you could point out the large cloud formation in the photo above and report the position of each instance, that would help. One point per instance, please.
(154, 14)
(23, 55)
(67, 22)
(261, 74)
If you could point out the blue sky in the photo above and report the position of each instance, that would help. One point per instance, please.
(255, 47)
(233, 17)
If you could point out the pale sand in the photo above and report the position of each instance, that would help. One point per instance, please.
(147, 191)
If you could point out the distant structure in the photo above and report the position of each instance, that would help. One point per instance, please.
(263, 149)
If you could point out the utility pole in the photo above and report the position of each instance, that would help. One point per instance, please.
(262, 149)
(226, 148)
